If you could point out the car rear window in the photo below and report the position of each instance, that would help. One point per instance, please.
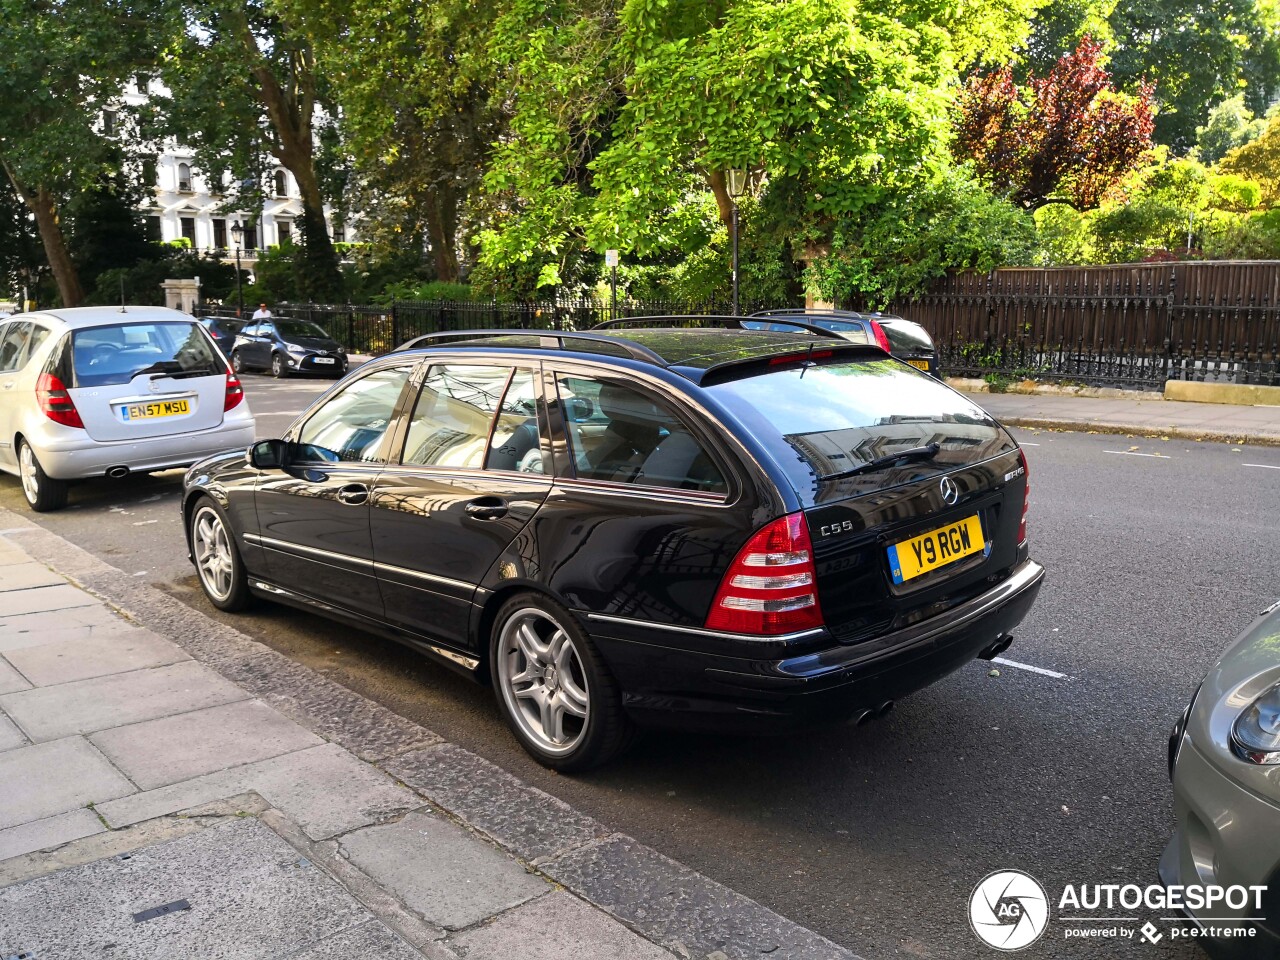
(820, 419)
(906, 337)
(115, 354)
(300, 328)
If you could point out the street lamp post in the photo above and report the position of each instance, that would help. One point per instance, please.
(237, 234)
(737, 184)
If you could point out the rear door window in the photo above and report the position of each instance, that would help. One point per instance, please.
(454, 415)
(620, 435)
(822, 419)
(13, 343)
(112, 355)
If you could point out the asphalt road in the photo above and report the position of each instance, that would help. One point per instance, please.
(875, 837)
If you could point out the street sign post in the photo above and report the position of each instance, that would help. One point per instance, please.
(611, 261)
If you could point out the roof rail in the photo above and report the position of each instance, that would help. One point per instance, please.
(811, 312)
(732, 323)
(635, 350)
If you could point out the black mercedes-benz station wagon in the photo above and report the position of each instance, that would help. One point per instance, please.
(699, 527)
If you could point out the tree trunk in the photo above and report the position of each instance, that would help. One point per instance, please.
(720, 190)
(40, 202)
(442, 232)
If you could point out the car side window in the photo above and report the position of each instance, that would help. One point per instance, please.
(12, 344)
(454, 414)
(266, 330)
(618, 434)
(351, 424)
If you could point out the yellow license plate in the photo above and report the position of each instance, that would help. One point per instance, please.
(150, 411)
(920, 364)
(937, 548)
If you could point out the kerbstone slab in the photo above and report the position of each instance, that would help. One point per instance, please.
(324, 790)
(552, 928)
(252, 896)
(51, 778)
(440, 871)
(50, 713)
(164, 751)
(121, 652)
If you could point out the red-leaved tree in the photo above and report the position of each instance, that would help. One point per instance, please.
(1065, 138)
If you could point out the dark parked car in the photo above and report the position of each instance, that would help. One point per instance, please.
(285, 347)
(721, 529)
(898, 337)
(224, 331)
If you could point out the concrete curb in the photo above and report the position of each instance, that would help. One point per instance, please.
(668, 904)
(1143, 430)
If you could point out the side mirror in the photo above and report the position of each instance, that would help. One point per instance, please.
(269, 454)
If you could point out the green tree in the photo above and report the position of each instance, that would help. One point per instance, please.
(1259, 161)
(1231, 124)
(62, 62)
(246, 94)
(1197, 54)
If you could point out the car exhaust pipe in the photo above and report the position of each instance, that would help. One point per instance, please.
(862, 718)
(884, 708)
(997, 648)
(115, 473)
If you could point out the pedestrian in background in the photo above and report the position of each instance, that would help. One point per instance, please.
(262, 313)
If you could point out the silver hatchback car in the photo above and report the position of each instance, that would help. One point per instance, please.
(1224, 758)
(109, 391)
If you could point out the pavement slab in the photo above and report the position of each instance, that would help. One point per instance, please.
(64, 626)
(11, 680)
(50, 778)
(323, 789)
(440, 871)
(49, 832)
(554, 927)
(10, 735)
(44, 599)
(121, 652)
(164, 751)
(528, 822)
(672, 905)
(50, 713)
(251, 896)
(369, 941)
(23, 576)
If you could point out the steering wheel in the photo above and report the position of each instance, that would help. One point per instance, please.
(103, 351)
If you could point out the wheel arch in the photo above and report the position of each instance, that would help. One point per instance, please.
(487, 613)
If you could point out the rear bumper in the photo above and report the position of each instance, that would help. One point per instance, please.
(67, 457)
(668, 685)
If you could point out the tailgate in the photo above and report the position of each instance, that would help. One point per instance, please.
(897, 555)
(146, 408)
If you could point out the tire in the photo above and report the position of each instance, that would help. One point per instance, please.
(558, 656)
(219, 566)
(237, 362)
(278, 368)
(43, 492)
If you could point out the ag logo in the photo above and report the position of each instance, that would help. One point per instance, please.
(1008, 910)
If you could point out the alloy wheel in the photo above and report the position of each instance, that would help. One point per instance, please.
(212, 548)
(27, 470)
(542, 680)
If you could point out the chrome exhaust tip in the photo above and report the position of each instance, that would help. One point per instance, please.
(862, 718)
(884, 708)
(115, 473)
(995, 649)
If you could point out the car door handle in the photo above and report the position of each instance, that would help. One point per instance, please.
(487, 508)
(353, 494)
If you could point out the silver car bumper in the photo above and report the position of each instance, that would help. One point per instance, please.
(71, 459)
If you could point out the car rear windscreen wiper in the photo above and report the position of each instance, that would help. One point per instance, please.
(928, 451)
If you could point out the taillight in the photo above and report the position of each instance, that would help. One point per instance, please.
(771, 586)
(882, 338)
(1026, 498)
(56, 403)
(235, 392)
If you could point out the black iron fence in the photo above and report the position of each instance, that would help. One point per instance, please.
(1134, 325)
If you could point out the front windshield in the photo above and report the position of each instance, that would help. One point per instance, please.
(301, 328)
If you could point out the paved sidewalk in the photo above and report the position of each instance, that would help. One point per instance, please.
(184, 792)
(1157, 416)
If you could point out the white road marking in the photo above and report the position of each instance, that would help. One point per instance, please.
(1024, 443)
(1264, 466)
(1130, 453)
(1027, 666)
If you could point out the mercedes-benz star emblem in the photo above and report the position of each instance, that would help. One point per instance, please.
(950, 492)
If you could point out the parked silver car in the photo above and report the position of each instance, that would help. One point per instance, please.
(1224, 758)
(109, 391)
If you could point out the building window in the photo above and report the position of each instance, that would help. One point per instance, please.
(251, 236)
(281, 184)
(153, 230)
(284, 230)
(189, 229)
(184, 178)
(108, 123)
(220, 234)
(150, 174)
(339, 233)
